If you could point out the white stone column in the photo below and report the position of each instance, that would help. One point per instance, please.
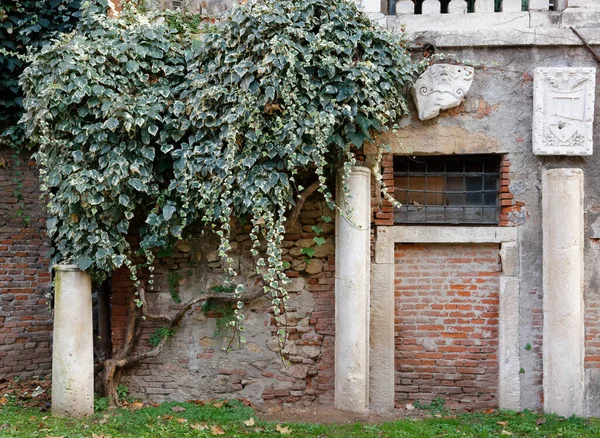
(563, 338)
(352, 285)
(73, 345)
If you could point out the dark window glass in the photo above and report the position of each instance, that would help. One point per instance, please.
(454, 189)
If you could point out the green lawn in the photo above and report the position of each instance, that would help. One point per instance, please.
(233, 419)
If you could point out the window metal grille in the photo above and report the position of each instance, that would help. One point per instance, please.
(447, 189)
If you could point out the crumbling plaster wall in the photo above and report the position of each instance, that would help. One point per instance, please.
(497, 115)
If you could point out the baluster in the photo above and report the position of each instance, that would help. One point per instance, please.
(371, 5)
(405, 7)
(431, 7)
(511, 5)
(539, 5)
(457, 7)
(484, 6)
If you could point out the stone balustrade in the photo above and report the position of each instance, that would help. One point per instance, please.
(458, 23)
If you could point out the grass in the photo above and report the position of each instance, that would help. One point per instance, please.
(232, 419)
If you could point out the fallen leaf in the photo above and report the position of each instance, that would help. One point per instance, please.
(167, 417)
(37, 391)
(198, 426)
(489, 411)
(249, 422)
(409, 407)
(502, 423)
(136, 405)
(283, 430)
(219, 404)
(540, 421)
(216, 430)
(505, 432)
(97, 436)
(3, 400)
(182, 420)
(178, 409)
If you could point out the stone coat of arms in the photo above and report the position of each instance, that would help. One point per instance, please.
(563, 110)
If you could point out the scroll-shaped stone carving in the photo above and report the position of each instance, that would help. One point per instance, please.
(563, 110)
(440, 87)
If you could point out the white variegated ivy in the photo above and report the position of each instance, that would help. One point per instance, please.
(145, 125)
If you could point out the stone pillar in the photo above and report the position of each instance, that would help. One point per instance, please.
(73, 345)
(563, 341)
(352, 285)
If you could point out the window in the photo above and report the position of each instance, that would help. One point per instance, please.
(453, 189)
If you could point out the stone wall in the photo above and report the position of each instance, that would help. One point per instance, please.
(447, 323)
(25, 320)
(193, 365)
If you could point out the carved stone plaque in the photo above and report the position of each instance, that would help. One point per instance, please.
(440, 87)
(563, 110)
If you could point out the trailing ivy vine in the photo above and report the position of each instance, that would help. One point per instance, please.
(145, 126)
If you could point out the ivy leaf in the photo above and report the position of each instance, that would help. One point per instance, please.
(124, 200)
(326, 219)
(148, 153)
(84, 263)
(308, 252)
(111, 124)
(136, 184)
(152, 129)
(318, 230)
(319, 240)
(357, 138)
(131, 66)
(168, 211)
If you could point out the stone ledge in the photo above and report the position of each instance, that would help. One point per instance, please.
(509, 34)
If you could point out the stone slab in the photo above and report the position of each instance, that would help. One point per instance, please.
(563, 110)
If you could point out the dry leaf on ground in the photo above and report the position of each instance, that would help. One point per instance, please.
(178, 409)
(198, 426)
(136, 405)
(409, 407)
(249, 422)
(182, 420)
(502, 423)
(506, 432)
(216, 430)
(283, 430)
(219, 404)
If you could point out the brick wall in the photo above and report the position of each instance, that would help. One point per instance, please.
(447, 298)
(194, 365)
(25, 321)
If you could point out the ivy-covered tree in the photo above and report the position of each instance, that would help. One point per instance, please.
(151, 122)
